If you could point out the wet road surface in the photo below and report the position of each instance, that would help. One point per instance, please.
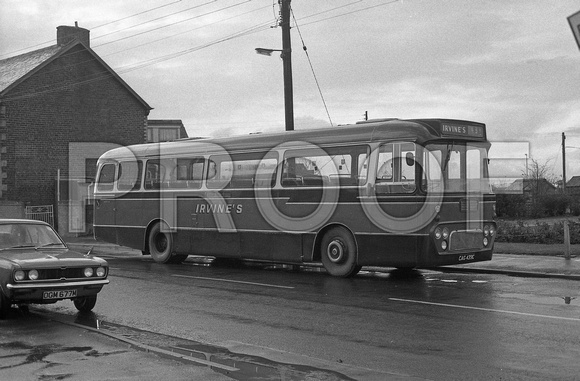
(425, 325)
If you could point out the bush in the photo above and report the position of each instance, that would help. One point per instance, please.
(548, 205)
(510, 205)
(554, 204)
(519, 231)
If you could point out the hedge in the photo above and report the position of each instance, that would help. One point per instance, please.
(542, 232)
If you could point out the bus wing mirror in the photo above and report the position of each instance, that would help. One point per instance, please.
(410, 158)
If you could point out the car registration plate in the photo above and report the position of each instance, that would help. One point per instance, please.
(61, 294)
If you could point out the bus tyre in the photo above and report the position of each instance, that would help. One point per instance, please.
(160, 243)
(338, 253)
(86, 303)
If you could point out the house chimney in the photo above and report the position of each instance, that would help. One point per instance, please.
(66, 34)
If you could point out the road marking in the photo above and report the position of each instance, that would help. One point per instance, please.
(483, 309)
(231, 281)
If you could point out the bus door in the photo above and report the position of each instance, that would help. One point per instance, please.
(104, 216)
(395, 183)
(128, 212)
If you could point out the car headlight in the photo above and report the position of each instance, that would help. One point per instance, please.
(33, 274)
(88, 272)
(19, 275)
(101, 271)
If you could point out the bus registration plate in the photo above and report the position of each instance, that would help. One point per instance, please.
(61, 294)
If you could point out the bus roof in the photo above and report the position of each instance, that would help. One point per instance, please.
(418, 130)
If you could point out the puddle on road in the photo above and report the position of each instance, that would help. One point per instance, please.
(235, 365)
(568, 299)
(16, 353)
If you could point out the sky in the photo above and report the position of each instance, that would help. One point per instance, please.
(511, 64)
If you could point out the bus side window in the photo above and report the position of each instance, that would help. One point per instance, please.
(196, 173)
(186, 173)
(106, 178)
(363, 168)
(385, 167)
(219, 172)
(154, 174)
(130, 175)
(338, 166)
(396, 168)
(211, 171)
(243, 171)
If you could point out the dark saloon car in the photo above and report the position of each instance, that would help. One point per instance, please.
(36, 267)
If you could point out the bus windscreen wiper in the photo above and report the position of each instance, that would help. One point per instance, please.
(448, 156)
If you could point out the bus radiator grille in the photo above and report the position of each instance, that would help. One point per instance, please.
(465, 240)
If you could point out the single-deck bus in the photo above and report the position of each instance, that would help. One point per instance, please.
(389, 192)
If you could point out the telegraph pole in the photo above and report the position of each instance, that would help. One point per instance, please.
(287, 62)
(563, 162)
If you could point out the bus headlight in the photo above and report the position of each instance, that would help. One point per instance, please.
(445, 233)
(444, 245)
(485, 241)
(492, 230)
(88, 272)
(486, 230)
(33, 274)
(438, 233)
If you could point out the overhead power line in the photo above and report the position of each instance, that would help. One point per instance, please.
(247, 31)
(351, 12)
(77, 64)
(93, 28)
(185, 31)
(311, 67)
(156, 19)
(136, 14)
(142, 64)
(177, 22)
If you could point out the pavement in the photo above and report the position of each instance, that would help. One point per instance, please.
(37, 347)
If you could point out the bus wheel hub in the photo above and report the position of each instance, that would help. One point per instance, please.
(335, 251)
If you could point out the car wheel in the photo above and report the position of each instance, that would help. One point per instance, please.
(4, 306)
(338, 253)
(86, 303)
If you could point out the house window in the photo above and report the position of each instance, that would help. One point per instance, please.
(162, 134)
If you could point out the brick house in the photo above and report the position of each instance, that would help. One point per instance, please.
(573, 186)
(61, 107)
(163, 130)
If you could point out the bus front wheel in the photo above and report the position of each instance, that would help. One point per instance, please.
(160, 243)
(338, 253)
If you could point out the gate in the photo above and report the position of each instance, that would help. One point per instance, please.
(42, 213)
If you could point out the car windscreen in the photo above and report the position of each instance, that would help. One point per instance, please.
(28, 235)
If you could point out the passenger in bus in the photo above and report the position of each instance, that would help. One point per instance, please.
(211, 171)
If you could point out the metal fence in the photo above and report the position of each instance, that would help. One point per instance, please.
(41, 212)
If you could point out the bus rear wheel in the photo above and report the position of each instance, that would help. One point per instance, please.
(338, 253)
(160, 243)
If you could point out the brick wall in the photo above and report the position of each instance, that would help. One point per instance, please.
(73, 99)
